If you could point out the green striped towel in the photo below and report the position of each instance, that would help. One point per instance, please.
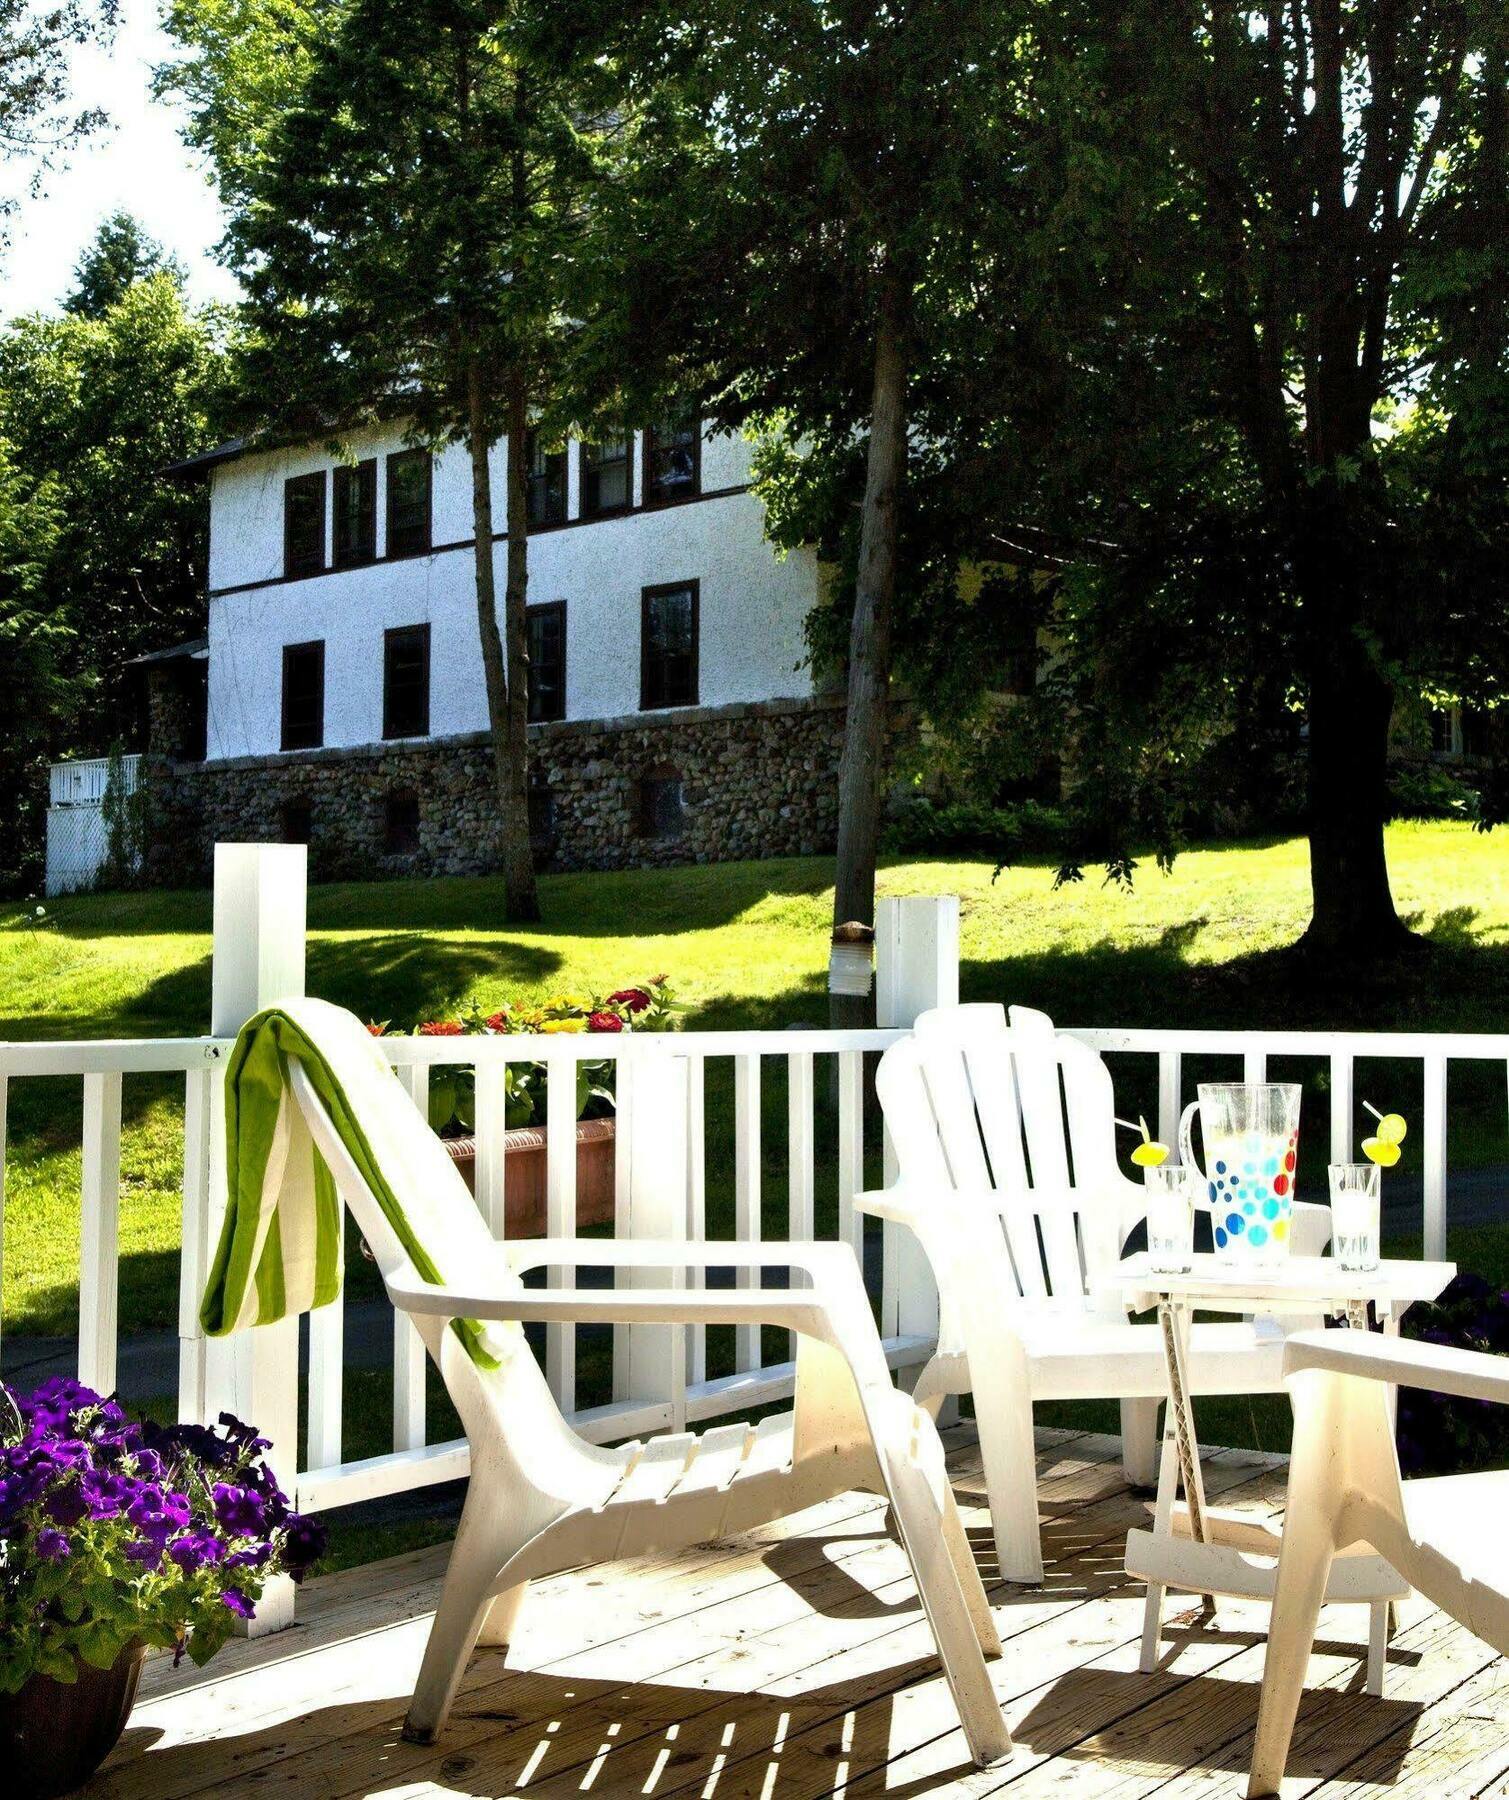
(280, 1249)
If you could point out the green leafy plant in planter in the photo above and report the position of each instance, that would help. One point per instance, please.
(649, 1006)
(118, 1535)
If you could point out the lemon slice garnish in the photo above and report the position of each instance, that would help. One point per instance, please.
(1392, 1128)
(1150, 1154)
(1381, 1150)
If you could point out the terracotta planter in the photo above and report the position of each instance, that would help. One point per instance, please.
(54, 1734)
(525, 1152)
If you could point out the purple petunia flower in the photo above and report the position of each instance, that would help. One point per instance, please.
(238, 1603)
(303, 1544)
(195, 1549)
(144, 1551)
(67, 1505)
(106, 1496)
(239, 1510)
(51, 1545)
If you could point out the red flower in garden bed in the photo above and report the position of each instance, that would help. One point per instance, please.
(442, 1028)
(636, 999)
(604, 1021)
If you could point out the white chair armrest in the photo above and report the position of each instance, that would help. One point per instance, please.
(1403, 1362)
(824, 1262)
(897, 1205)
(801, 1310)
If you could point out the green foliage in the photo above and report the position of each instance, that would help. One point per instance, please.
(121, 255)
(123, 812)
(38, 125)
(1006, 832)
(1431, 792)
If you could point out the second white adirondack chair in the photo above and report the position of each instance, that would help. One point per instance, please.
(1005, 1144)
(541, 1499)
(1444, 1535)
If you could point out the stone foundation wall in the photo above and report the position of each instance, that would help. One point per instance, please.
(699, 785)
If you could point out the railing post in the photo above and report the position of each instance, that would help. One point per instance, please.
(652, 1365)
(258, 957)
(916, 967)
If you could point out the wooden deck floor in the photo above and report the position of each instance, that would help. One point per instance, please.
(795, 1663)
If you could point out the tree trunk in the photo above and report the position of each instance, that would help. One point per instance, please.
(521, 902)
(518, 859)
(862, 765)
(1350, 705)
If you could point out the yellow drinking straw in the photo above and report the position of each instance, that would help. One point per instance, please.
(1149, 1153)
(1383, 1147)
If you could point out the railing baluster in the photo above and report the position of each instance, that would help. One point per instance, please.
(890, 1247)
(408, 1346)
(1433, 1127)
(800, 1156)
(1170, 1094)
(560, 1217)
(491, 1123)
(747, 1193)
(696, 1201)
(623, 1197)
(194, 1261)
(1254, 1064)
(99, 1229)
(327, 1366)
(1342, 1106)
(851, 1148)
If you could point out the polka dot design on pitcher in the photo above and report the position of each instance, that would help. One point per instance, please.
(1252, 1191)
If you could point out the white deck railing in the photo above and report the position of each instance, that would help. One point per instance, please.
(83, 783)
(660, 1375)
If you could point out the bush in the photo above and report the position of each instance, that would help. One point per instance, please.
(920, 828)
(1440, 1434)
(1429, 792)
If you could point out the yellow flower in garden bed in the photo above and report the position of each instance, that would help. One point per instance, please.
(557, 1025)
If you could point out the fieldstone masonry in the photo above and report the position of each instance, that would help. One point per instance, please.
(702, 784)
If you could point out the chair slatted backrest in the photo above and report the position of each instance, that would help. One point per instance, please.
(1026, 1112)
(531, 1432)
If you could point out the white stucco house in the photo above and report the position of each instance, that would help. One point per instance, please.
(672, 705)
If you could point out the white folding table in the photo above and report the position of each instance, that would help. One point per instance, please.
(1204, 1550)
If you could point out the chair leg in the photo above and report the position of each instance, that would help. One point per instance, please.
(1317, 1478)
(922, 1521)
(466, 1600)
(973, 1589)
(1009, 1452)
(1139, 1442)
(1378, 1636)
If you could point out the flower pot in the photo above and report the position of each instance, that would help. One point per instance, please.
(524, 1179)
(55, 1734)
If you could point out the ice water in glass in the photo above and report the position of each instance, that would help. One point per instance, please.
(1354, 1214)
(1170, 1194)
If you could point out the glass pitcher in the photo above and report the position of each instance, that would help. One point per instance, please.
(1251, 1135)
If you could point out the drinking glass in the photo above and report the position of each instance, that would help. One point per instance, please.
(1170, 1193)
(1251, 1133)
(1354, 1214)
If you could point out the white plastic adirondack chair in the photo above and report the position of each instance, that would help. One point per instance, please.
(541, 1499)
(1006, 1156)
(1445, 1535)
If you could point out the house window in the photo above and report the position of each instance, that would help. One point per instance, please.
(541, 807)
(409, 483)
(668, 645)
(304, 524)
(295, 818)
(546, 635)
(355, 503)
(406, 682)
(547, 481)
(672, 459)
(304, 696)
(607, 476)
(400, 831)
(662, 804)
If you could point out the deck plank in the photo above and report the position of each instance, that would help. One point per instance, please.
(794, 1664)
